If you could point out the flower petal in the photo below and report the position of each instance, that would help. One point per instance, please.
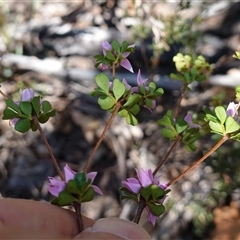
(140, 81)
(145, 177)
(14, 121)
(231, 109)
(91, 175)
(126, 84)
(69, 173)
(97, 189)
(27, 95)
(151, 217)
(106, 46)
(188, 118)
(127, 65)
(132, 184)
(55, 186)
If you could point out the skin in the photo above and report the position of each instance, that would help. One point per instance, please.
(26, 219)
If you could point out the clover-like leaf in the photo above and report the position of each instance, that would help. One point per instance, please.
(103, 82)
(106, 102)
(157, 192)
(231, 125)
(88, 195)
(216, 127)
(116, 46)
(72, 187)
(11, 104)
(221, 114)
(169, 133)
(119, 88)
(146, 192)
(64, 198)
(23, 125)
(36, 105)
(135, 109)
(123, 113)
(46, 106)
(26, 108)
(131, 119)
(156, 209)
(134, 99)
(9, 114)
(181, 125)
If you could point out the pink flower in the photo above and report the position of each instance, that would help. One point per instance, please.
(124, 62)
(57, 186)
(144, 179)
(232, 110)
(188, 119)
(142, 82)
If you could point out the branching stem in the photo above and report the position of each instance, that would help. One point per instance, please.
(213, 149)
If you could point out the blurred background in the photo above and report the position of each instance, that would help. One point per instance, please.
(49, 46)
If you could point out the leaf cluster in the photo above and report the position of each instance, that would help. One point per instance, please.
(114, 55)
(24, 111)
(189, 69)
(77, 190)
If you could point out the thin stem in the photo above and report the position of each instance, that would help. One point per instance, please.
(118, 105)
(213, 149)
(48, 147)
(140, 209)
(179, 102)
(114, 71)
(167, 155)
(77, 207)
(3, 94)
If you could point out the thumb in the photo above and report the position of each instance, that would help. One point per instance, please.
(115, 229)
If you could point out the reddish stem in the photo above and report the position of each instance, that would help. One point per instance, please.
(213, 149)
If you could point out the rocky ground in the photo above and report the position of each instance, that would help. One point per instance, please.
(50, 46)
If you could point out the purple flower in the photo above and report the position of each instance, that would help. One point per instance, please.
(124, 62)
(57, 186)
(144, 179)
(232, 110)
(142, 82)
(188, 119)
(27, 95)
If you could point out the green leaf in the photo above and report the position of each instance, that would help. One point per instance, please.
(64, 199)
(231, 125)
(176, 76)
(221, 114)
(146, 193)
(167, 120)
(159, 92)
(168, 133)
(124, 46)
(123, 113)
(11, 104)
(216, 127)
(148, 103)
(103, 82)
(46, 106)
(36, 105)
(131, 119)
(157, 192)
(134, 99)
(88, 195)
(43, 119)
(72, 187)
(23, 125)
(116, 46)
(134, 109)
(181, 125)
(110, 56)
(80, 178)
(142, 89)
(51, 113)
(106, 102)
(156, 209)
(26, 108)
(9, 114)
(119, 88)
(152, 87)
